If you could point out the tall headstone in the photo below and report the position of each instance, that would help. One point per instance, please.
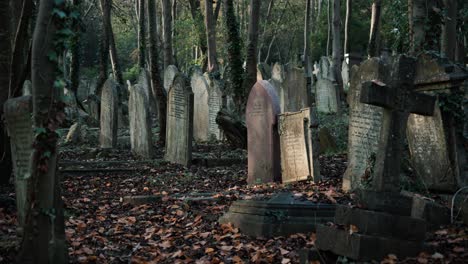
(109, 115)
(298, 140)
(201, 111)
(215, 103)
(27, 88)
(19, 124)
(298, 96)
(364, 123)
(179, 131)
(169, 74)
(278, 81)
(326, 94)
(262, 134)
(141, 138)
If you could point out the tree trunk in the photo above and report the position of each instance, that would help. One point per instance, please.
(417, 19)
(141, 35)
(217, 10)
(75, 57)
(5, 48)
(20, 50)
(201, 31)
(251, 58)
(156, 83)
(167, 33)
(174, 33)
(44, 233)
(337, 48)
(103, 60)
(261, 40)
(328, 27)
(349, 11)
(235, 71)
(374, 36)
(211, 37)
(449, 29)
(112, 48)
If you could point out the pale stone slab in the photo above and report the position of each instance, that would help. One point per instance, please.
(179, 131)
(262, 134)
(201, 109)
(19, 124)
(109, 115)
(215, 103)
(27, 88)
(169, 74)
(141, 139)
(326, 96)
(299, 157)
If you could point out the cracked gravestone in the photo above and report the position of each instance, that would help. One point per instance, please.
(371, 237)
(179, 131)
(262, 134)
(19, 124)
(282, 215)
(109, 115)
(141, 139)
(298, 141)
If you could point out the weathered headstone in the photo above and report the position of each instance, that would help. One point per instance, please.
(278, 81)
(295, 84)
(282, 215)
(326, 96)
(299, 156)
(27, 88)
(19, 124)
(364, 123)
(109, 115)
(93, 103)
(141, 138)
(179, 131)
(345, 72)
(324, 69)
(263, 71)
(215, 103)
(169, 74)
(201, 111)
(381, 229)
(262, 134)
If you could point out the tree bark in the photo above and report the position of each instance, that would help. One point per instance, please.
(449, 29)
(374, 36)
(201, 31)
(167, 33)
(103, 60)
(5, 48)
(261, 40)
(217, 10)
(112, 48)
(44, 233)
(337, 48)
(235, 71)
(75, 57)
(141, 35)
(156, 83)
(174, 33)
(251, 58)
(307, 37)
(349, 11)
(329, 22)
(211, 37)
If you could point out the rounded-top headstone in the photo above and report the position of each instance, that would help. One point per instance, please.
(262, 135)
(201, 107)
(141, 139)
(169, 75)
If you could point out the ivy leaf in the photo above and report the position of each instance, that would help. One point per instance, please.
(52, 56)
(59, 13)
(39, 130)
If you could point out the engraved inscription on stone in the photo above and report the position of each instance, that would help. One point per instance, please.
(215, 103)
(178, 104)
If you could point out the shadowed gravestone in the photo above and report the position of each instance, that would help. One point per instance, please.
(19, 124)
(179, 131)
(262, 134)
(295, 84)
(215, 103)
(326, 95)
(201, 107)
(169, 74)
(385, 226)
(141, 138)
(298, 140)
(109, 115)
(278, 81)
(145, 84)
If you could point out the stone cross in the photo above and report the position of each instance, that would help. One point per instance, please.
(398, 102)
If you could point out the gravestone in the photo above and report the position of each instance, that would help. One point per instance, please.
(215, 103)
(201, 111)
(295, 84)
(169, 74)
(381, 229)
(326, 92)
(141, 138)
(324, 69)
(179, 130)
(19, 124)
(262, 134)
(364, 124)
(263, 71)
(298, 138)
(281, 215)
(345, 72)
(278, 82)
(27, 88)
(145, 83)
(93, 103)
(436, 147)
(109, 115)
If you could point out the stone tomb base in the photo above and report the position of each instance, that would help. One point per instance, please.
(282, 215)
(373, 234)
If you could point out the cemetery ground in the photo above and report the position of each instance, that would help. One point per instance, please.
(121, 209)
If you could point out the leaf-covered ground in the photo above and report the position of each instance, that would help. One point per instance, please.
(102, 228)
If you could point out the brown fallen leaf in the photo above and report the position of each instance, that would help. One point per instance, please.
(283, 251)
(209, 250)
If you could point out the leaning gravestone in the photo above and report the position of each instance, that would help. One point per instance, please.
(169, 74)
(262, 134)
(298, 138)
(109, 114)
(364, 123)
(179, 130)
(298, 96)
(215, 103)
(18, 118)
(278, 81)
(141, 138)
